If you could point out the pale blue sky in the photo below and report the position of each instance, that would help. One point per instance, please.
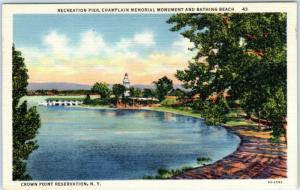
(88, 48)
(30, 29)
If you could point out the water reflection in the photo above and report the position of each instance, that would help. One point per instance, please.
(161, 116)
(120, 144)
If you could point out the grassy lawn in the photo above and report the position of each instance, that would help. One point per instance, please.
(239, 122)
(67, 98)
(235, 118)
(178, 110)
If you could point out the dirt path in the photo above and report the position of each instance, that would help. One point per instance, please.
(256, 157)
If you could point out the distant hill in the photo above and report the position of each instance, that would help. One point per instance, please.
(58, 86)
(75, 86)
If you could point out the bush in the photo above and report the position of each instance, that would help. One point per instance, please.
(168, 101)
(203, 160)
(215, 113)
(97, 101)
(87, 99)
(164, 173)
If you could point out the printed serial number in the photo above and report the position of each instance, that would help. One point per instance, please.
(275, 182)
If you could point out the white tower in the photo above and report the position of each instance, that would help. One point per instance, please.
(126, 83)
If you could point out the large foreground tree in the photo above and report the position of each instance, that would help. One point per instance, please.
(26, 122)
(244, 54)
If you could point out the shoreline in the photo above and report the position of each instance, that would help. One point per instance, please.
(256, 156)
(174, 111)
(95, 107)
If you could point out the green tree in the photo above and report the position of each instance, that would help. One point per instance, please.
(102, 89)
(26, 122)
(162, 87)
(135, 92)
(177, 92)
(196, 78)
(138, 92)
(148, 93)
(276, 106)
(118, 90)
(87, 99)
(54, 91)
(242, 53)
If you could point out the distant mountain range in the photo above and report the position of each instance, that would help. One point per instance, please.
(75, 86)
(70, 86)
(58, 86)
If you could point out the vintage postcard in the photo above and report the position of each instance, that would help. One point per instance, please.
(149, 96)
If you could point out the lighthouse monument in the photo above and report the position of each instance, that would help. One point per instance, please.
(126, 83)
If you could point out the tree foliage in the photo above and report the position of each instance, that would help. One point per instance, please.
(118, 90)
(135, 92)
(148, 93)
(196, 78)
(26, 122)
(19, 78)
(102, 89)
(243, 53)
(178, 92)
(163, 86)
(87, 99)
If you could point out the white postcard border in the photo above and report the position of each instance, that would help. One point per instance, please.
(290, 182)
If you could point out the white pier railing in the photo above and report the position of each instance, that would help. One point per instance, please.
(61, 102)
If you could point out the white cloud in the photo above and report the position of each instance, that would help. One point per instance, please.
(93, 54)
(91, 43)
(31, 54)
(146, 38)
(57, 43)
(124, 43)
(183, 44)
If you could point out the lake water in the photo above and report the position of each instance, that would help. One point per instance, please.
(93, 144)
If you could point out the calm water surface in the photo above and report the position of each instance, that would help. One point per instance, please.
(89, 144)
